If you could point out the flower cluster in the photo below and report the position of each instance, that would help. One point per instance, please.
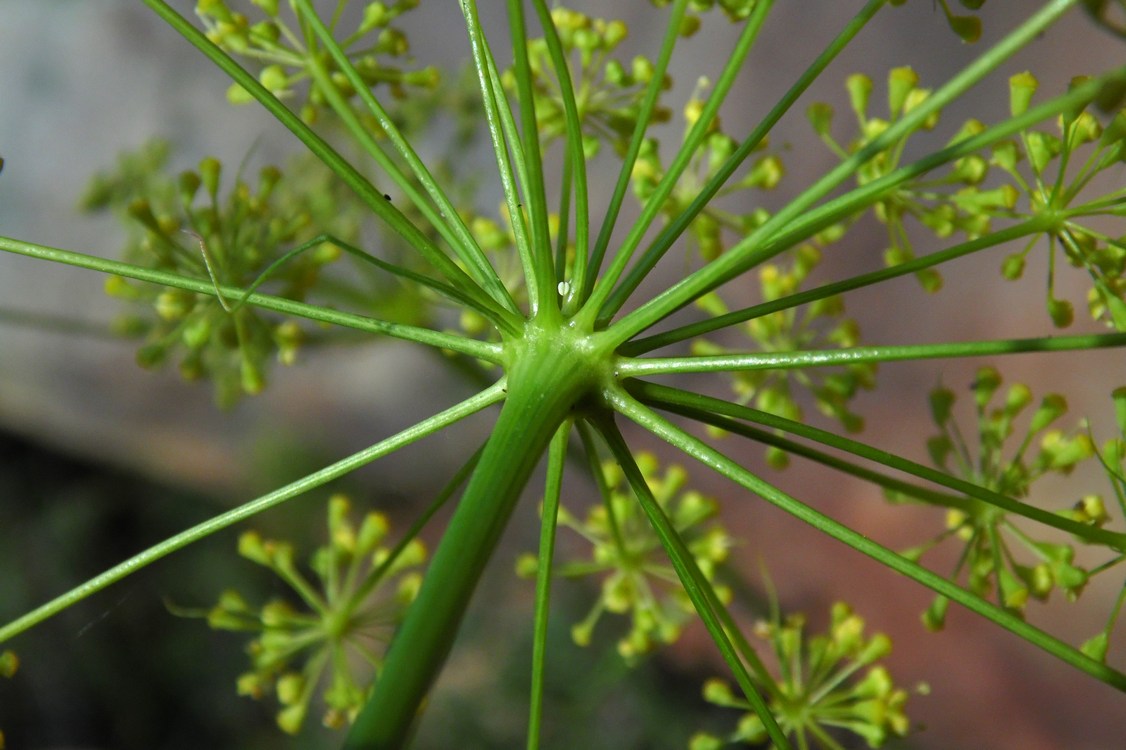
(817, 325)
(637, 578)
(709, 228)
(1112, 456)
(1038, 165)
(955, 202)
(608, 93)
(360, 591)
(998, 556)
(377, 49)
(230, 240)
(736, 10)
(820, 687)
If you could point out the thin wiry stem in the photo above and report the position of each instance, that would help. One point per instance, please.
(695, 584)
(726, 467)
(439, 421)
(862, 354)
(557, 454)
(655, 203)
(722, 414)
(374, 199)
(477, 349)
(644, 117)
(680, 223)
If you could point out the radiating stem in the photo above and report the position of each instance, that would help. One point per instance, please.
(862, 354)
(550, 512)
(473, 348)
(723, 465)
(316, 479)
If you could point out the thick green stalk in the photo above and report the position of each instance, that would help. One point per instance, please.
(546, 377)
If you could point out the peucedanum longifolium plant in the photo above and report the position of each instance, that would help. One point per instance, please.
(540, 299)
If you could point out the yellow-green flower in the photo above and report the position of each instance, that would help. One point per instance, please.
(636, 577)
(333, 638)
(999, 558)
(827, 684)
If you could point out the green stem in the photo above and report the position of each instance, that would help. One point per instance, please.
(478, 349)
(542, 284)
(426, 427)
(632, 368)
(411, 533)
(696, 135)
(550, 513)
(576, 159)
(697, 587)
(1035, 225)
(736, 473)
(644, 116)
(502, 132)
(722, 414)
(367, 192)
(447, 221)
(544, 382)
(678, 225)
(796, 217)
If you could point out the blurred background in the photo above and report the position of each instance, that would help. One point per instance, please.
(99, 459)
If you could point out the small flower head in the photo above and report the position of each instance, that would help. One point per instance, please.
(189, 225)
(378, 49)
(346, 612)
(830, 682)
(608, 92)
(1001, 559)
(637, 578)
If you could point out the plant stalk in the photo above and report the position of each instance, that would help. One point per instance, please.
(546, 378)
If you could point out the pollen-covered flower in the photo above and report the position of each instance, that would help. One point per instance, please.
(637, 578)
(342, 618)
(827, 684)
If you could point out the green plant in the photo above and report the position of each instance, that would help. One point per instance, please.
(552, 315)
